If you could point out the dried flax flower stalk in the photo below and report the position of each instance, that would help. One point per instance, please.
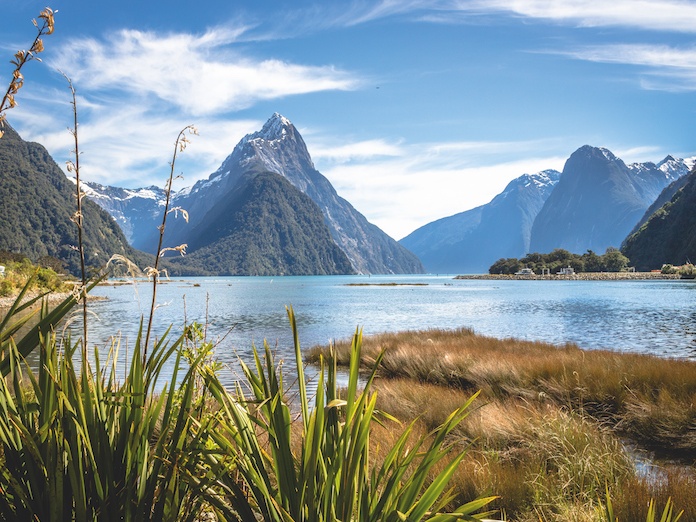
(74, 167)
(21, 58)
(155, 272)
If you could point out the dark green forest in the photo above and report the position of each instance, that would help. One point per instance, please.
(37, 202)
(669, 235)
(267, 228)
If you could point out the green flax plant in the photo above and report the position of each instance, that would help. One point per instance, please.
(88, 447)
(329, 476)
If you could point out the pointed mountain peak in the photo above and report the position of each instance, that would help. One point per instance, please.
(668, 159)
(590, 151)
(276, 128)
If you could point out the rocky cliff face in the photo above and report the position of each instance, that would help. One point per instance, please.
(135, 211)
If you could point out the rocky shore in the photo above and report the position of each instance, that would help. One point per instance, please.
(585, 276)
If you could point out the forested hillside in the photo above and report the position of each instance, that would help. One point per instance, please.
(669, 235)
(37, 202)
(268, 228)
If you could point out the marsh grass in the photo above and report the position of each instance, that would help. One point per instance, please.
(544, 432)
(649, 399)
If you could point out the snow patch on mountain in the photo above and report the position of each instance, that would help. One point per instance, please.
(609, 155)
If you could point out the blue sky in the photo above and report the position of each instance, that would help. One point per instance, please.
(414, 109)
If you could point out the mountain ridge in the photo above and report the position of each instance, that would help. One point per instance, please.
(278, 147)
(597, 201)
(37, 206)
(470, 241)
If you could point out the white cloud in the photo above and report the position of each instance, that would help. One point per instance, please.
(644, 14)
(637, 54)
(430, 181)
(666, 67)
(360, 150)
(197, 74)
(129, 147)
(651, 15)
(137, 89)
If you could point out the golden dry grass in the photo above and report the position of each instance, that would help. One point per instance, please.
(650, 399)
(543, 434)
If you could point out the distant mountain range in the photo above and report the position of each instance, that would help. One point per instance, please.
(37, 202)
(219, 237)
(592, 205)
(469, 242)
(598, 200)
(268, 211)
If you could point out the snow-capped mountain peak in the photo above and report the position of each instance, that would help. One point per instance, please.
(609, 155)
(276, 128)
(543, 180)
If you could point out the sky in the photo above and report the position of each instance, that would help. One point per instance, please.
(413, 109)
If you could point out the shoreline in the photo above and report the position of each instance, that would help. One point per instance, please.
(53, 299)
(584, 276)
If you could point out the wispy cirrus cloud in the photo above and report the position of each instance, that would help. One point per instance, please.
(357, 151)
(649, 15)
(665, 67)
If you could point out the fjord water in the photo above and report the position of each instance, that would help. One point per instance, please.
(657, 317)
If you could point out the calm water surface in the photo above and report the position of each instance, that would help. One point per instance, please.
(657, 317)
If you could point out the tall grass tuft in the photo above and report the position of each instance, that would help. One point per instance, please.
(154, 272)
(86, 447)
(331, 476)
(77, 217)
(544, 438)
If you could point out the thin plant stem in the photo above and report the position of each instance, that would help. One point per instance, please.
(77, 218)
(179, 146)
(21, 58)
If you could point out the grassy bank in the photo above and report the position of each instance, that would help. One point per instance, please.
(18, 273)
(547, 434)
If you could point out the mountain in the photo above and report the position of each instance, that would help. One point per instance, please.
(279, 148)
(680, 167)
(469, 242)
(266, 228)
(668, 236)
(37, 202)
(598, 200)
(135, 211)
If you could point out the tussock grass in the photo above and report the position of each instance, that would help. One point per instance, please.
(649, 399)
(545, 432)
(677, 483)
